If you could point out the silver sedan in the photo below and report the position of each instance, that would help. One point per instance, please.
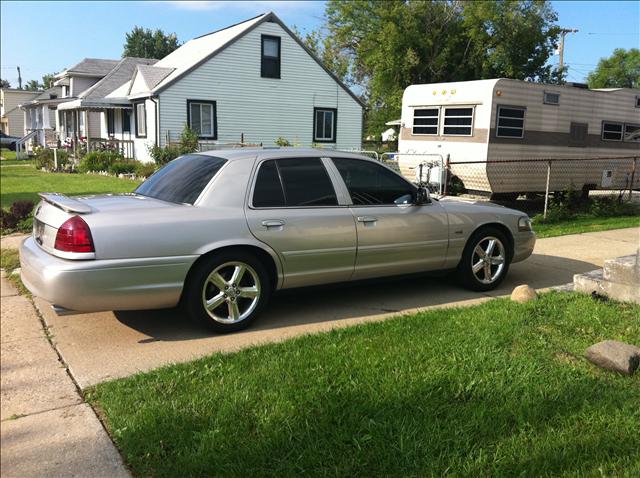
(218, 232)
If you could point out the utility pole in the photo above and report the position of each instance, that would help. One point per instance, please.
(563, 33)
(19, 78)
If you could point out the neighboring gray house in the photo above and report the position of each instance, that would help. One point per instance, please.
(11, 117)
(254, 81)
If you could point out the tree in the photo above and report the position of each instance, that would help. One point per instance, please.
(47, 79)
(146, 43)
(620, 70)
(384, 46)
(32, 85)
(4, 84)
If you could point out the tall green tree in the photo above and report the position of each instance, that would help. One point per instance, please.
(146, 43)
(620, 70)
(382, 47)
(32, 85)
(47, 79)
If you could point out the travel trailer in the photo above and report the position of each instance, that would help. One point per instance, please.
(496, 122)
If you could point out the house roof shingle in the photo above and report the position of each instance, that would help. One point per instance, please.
(117, 77)
(92, 66)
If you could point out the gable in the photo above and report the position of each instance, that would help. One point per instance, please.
(228, 37)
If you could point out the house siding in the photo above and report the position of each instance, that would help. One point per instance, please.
(262, 109)
(13, 115)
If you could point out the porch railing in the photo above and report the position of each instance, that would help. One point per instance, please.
(123, 146)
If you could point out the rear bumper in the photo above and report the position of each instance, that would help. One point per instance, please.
(523, 243)
(96, 285)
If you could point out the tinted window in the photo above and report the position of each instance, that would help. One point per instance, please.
(268, 191)
(369, 183)
(183, 179)
(306, 183)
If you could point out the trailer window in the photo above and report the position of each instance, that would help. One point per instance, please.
(458, 121)
(632, 133)
(425, 121)
(611, 131)
(510, 122)
(551, 98)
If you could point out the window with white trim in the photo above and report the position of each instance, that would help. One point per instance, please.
(425, 121)
(510, 122)
(611, 131)
(551, 98)
(632, 133)
(458, 121)
(202, 118)
(141, 120)
(324, 125)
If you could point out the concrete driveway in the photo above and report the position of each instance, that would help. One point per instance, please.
(103, 346)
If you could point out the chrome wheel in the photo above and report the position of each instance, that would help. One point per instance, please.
(488, 260)
(231, 292)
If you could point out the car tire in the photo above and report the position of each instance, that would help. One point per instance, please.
(227, 291)
(481, 273)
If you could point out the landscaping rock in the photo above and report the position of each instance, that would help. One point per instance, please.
(524, 293)
(614, 355)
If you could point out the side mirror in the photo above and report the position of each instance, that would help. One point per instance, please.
(423, 196)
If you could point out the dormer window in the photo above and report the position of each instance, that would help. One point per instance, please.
(270, 65)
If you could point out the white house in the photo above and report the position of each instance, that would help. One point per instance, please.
(253, 82)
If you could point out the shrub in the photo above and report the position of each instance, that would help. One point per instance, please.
(162, 156)
(124, 167)
(144, 170)
(188, 140)
(43, 158)
(280, 141)
(21, 209)
(8, 220)
(99, 161)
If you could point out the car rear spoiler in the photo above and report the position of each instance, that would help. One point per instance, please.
(65, 203)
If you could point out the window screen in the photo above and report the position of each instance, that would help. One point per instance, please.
(458, 121)
(551, 98)
(202, 117)
(270, 64)
(510, 122)
(611, 131)
(324, 125)
(141, 120)
(306, 182)
(425, 120)
(268, 190)
(371, 184)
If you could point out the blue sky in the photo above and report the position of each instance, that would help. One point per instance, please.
(43, 37)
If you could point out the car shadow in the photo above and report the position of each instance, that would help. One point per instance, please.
(298, 307)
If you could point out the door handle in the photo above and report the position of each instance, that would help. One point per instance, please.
(273, 223)
(367, 219)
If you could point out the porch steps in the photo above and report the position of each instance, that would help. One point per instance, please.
(619, 279)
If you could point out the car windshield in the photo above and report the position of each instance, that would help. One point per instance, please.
(183, 179)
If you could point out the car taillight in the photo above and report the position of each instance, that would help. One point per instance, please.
(74, 236)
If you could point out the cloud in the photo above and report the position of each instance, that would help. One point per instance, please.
(254, 6)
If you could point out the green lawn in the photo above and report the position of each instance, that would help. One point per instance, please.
(585, 224)
(23, 181)
(7, 155)
(491, 390)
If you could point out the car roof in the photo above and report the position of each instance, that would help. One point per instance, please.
(276, 152)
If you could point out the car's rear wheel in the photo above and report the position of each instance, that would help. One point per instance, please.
(227, 291)
(485, 260)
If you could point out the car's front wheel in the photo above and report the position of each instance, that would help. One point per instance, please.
(227, 291)
(485, 260)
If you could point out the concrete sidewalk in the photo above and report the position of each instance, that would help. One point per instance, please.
(45, 428)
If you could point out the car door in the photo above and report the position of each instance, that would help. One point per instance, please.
(395, 235)
(294, 209)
